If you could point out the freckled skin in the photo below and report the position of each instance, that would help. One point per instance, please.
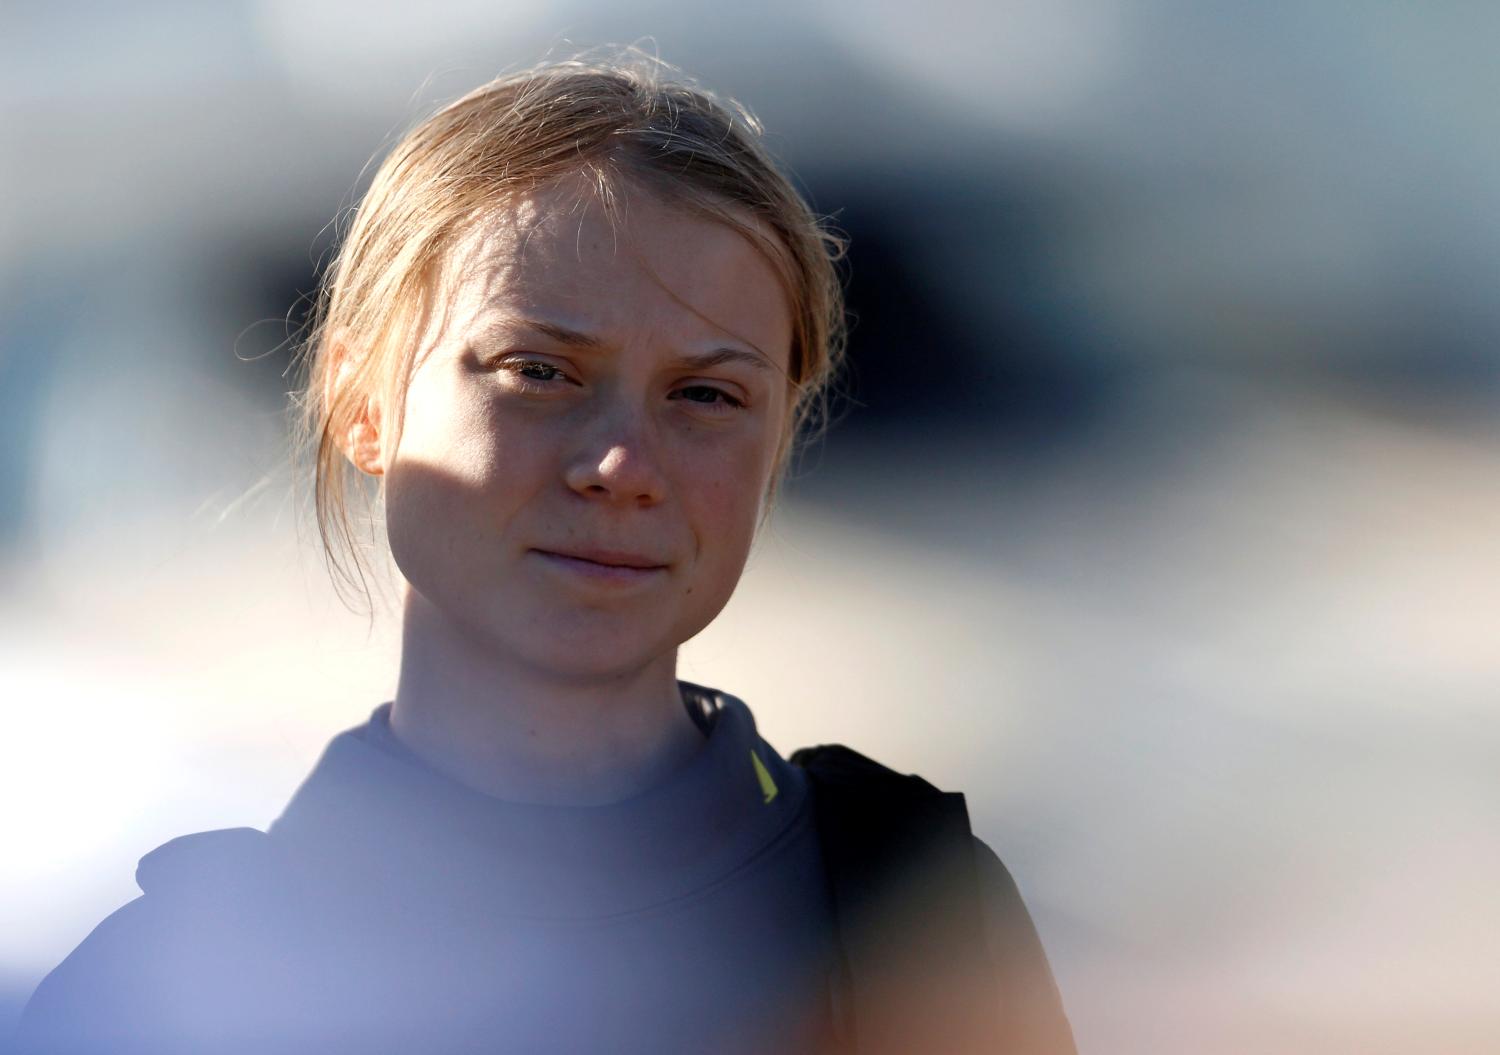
(514, 442)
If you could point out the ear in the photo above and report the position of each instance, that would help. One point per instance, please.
(362, 439)
(362, 445)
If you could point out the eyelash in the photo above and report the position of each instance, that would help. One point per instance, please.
(517, 368)
(725, 400)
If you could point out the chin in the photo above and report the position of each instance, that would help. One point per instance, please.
(587, 648)
(593, 661)
(569, 641)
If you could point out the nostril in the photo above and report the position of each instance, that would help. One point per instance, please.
(623, 473)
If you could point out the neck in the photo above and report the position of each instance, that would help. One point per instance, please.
(531, 735)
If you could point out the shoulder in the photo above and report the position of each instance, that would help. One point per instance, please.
(843, 767)
(869, 813)
(1031, 1002)
(884, 835)
(213, 864)
(906, 870)
(866, 807)
(160, 967)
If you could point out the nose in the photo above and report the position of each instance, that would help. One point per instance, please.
(618, 464)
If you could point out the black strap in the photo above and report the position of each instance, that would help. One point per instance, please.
(702, 705)
(917, 974)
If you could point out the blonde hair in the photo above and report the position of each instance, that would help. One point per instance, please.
(627, 119)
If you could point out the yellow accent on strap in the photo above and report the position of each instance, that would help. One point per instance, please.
(767, 785)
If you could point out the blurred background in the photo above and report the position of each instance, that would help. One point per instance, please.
(1163, 516)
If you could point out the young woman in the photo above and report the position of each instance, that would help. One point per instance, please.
(571, 335)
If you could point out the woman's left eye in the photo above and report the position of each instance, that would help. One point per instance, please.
(707, 395)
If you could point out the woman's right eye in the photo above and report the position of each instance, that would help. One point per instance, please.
(538, 371)
(533, 371)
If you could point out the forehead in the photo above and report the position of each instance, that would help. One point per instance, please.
(640, 264)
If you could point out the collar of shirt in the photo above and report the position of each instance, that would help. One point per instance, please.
(373, 818)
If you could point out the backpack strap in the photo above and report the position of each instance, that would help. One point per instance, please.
(209, 865)
(899, 853)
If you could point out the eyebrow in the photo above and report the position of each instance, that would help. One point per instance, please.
(701, 361)
(561, 334)
(720, 356)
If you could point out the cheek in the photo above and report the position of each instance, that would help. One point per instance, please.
(452, 430)
(727, 505)
(428, 509)
(411, 536)
(459, 476)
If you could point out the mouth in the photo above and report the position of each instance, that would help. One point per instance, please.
(607, 558)
(604, 565)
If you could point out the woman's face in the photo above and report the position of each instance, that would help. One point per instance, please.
(589, 430)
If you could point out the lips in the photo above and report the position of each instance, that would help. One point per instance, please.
(603, 569)
(608, 558)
